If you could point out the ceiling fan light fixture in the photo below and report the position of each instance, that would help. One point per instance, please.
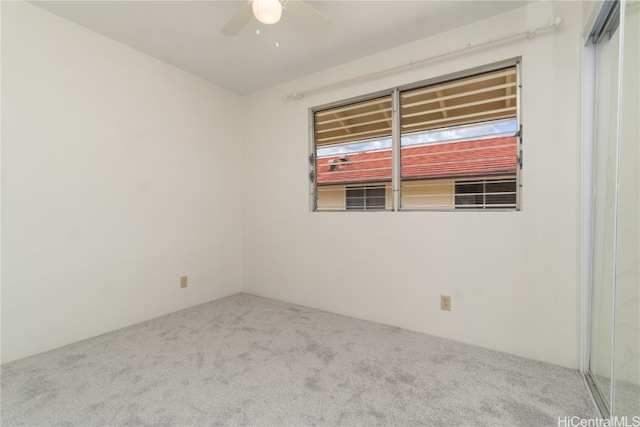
(267, 11)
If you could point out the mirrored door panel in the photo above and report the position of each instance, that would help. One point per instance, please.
(626, 400)
(614, 360)
(604, 210)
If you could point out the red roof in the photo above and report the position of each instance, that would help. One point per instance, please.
(442, 160)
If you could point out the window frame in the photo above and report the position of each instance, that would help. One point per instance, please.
(365, 189)
(484, 183)
(396, 180)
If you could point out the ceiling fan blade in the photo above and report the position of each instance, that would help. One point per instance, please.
(238, 21)
(309, 16)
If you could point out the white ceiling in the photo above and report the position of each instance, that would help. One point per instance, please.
(187, 34)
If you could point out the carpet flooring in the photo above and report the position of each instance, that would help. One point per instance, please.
(246, 360)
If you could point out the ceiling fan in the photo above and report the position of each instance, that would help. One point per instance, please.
(270, 11)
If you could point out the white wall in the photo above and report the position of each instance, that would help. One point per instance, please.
(513, 276)
(119, 174)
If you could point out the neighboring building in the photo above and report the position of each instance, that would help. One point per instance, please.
(479, 174)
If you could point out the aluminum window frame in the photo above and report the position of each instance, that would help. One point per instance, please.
(396, 180)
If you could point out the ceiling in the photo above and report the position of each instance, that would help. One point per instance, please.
(187, 34)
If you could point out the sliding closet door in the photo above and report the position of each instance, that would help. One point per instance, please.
(614, 364)
(604, 233)
(626, 363)
(600, 364)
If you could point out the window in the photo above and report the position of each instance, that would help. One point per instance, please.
(366, 198)
(486, 194)
(449, 144)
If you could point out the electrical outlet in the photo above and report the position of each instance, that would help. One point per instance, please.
(445, 302)
(183, 281)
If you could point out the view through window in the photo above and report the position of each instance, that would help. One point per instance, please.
(457, 146)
